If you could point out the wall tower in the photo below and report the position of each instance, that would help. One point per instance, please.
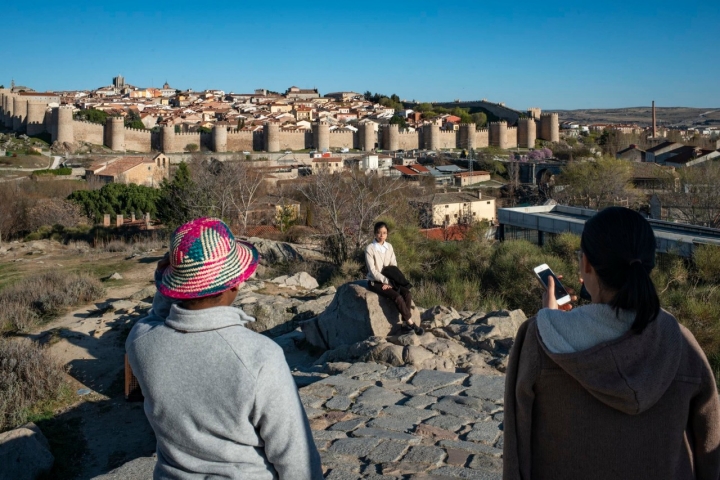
(527, 133)
(321, 136)
(272, 137)
(19, 113)
(63, 120)
(367, 137)
(550, 127)
(467, 136)
(36, 117)
(432, 140)
(168, 139)
(392, 137)
(219, 138)
(498, 134)
(116, 135)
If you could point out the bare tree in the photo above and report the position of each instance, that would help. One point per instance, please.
(345, 206)
(597, 184)
(248, 188)
(696, 199)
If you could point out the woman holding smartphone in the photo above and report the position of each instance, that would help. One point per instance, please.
(614, 389)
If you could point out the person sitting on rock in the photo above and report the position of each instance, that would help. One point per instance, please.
(378, 255)
(220, 397)
(614, 389)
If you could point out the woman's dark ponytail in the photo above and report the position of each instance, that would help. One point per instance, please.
(638, 294)
(620, 245)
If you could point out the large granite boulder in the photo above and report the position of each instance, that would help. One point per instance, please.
(354, 315)
(272, 251)
(300, 279)
(24, 454)
(494, 332)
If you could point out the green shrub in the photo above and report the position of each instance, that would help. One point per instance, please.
(29, 376)
(564, 245)
(57, 171)
(707, 263)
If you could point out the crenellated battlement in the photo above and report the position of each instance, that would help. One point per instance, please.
(137, 130)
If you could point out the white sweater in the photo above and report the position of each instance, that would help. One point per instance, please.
(376, 258)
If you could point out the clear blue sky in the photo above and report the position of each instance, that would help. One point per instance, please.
(554, 55)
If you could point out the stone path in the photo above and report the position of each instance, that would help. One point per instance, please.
(381, 423)
(375, 422)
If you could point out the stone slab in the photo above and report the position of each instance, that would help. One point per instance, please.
(356, 447)
(386, 435)
(408, 412)
(472, 447)
(348, 425)
(338, 402)
(425, 454)
(420, 401)
(467, 473)
(387, 451)
(446, 422)
(429, 380)
(485, 432)
(435, 433)
(379, 396)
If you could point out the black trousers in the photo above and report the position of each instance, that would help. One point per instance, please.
(401, 297)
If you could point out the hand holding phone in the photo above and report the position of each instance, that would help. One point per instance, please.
(552, 286)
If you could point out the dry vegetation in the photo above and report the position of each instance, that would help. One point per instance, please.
(29, 378)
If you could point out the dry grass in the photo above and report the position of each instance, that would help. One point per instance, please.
(43, 296)
(29, 377)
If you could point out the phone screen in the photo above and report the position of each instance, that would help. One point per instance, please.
(560, 291)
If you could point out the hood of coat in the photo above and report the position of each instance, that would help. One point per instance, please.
(625, 371)
(206, 319)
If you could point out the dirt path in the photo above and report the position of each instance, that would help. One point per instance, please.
(90, 341)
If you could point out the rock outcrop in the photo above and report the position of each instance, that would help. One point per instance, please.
(281, 252)
(354, 315)
(24, 454)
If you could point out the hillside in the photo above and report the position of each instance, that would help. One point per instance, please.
(667, 116)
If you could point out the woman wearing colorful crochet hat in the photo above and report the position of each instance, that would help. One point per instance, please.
(220, 398)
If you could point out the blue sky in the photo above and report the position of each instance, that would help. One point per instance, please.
(554, 55)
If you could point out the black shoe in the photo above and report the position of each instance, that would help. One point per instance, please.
(406, 328)
(418, 330)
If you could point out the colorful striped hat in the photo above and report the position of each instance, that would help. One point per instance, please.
(205, 259)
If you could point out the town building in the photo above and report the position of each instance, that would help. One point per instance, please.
(148, 171)
(450, 208)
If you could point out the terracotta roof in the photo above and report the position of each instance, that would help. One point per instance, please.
(453, 232)
(472, 174)
(118, 166)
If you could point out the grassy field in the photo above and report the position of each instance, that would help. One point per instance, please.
(26, 161)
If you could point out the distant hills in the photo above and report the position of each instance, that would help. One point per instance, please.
(666, 116)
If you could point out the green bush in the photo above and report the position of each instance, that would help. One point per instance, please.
(564, 245)
(57, 171)
(707, 263)
(29, 376)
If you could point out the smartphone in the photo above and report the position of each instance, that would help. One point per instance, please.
(543, 272)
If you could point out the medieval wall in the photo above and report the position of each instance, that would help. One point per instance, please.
(294, 140)
(239, 141)
(447, 139)
(408, 140)
(343, 139)
(512, 137)
(138, 140)
(88, 132)
(482, 138)
(182, 140)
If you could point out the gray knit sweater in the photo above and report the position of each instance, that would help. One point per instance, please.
(220, 398)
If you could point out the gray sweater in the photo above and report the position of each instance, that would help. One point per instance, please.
(220, 398)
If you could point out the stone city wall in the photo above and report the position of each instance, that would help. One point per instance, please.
(294, 140)
(239, 141)
(138, 140)
(88, 132)
(408, 140)
(343, 139)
